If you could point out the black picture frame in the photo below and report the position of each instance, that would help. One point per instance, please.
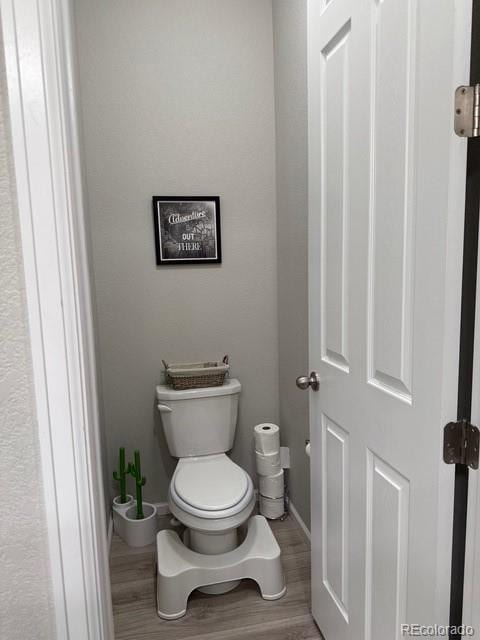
(185, 233)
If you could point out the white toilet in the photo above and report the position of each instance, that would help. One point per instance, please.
(212, 496)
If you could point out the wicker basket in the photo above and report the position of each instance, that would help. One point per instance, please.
(194, 375)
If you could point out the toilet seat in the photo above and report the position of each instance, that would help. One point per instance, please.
(211, 487)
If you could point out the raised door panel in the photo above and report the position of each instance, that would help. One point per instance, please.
(387, 506)
(334, 94)
(335, 513)
(390, 252)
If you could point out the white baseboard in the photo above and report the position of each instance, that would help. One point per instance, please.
(300, 522)
(162, 508)
(109, 532)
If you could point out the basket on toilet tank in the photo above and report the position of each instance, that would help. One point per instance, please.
(195, 375)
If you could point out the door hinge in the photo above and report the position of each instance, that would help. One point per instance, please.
(467, 111)
(461, 443)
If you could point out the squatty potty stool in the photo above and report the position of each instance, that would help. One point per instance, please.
(181, 570)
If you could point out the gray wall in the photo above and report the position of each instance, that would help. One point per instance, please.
(25, 590)
(177, 99)
(290, 40)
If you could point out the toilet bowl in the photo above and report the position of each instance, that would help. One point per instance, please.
(212, 492)
(212, 496)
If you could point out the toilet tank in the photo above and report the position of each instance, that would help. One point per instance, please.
(199, 422)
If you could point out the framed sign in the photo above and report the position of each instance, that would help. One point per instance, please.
(187, 229)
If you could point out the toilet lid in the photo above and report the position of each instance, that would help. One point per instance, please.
(211, 484)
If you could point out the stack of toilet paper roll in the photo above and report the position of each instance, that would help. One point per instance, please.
(269, 469)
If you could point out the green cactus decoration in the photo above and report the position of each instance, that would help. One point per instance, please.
(121, 475)
(135, 471)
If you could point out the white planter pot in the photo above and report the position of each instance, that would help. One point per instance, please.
(123, 505)
(136, 533)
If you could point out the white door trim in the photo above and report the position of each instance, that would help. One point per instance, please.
(39, 57)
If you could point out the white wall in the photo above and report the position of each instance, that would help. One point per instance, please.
(290, 31)
(25, 590)
(178, 99)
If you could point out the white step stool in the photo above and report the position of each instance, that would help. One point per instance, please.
(180, 570)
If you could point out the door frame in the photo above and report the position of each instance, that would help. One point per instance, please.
(464, 589)
(40, 73)
(468, 535)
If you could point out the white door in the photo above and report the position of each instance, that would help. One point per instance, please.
(386, 202)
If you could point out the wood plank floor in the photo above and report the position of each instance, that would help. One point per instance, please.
(240, 614)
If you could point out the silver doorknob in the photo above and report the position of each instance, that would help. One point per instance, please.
(313, 381)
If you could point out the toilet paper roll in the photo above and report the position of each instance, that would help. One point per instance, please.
(267, 437)
(272, 508)
(272, 486)
(268, 464)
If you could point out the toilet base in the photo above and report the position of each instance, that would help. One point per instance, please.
(218, 589)
(180, 570)
(212, 545)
